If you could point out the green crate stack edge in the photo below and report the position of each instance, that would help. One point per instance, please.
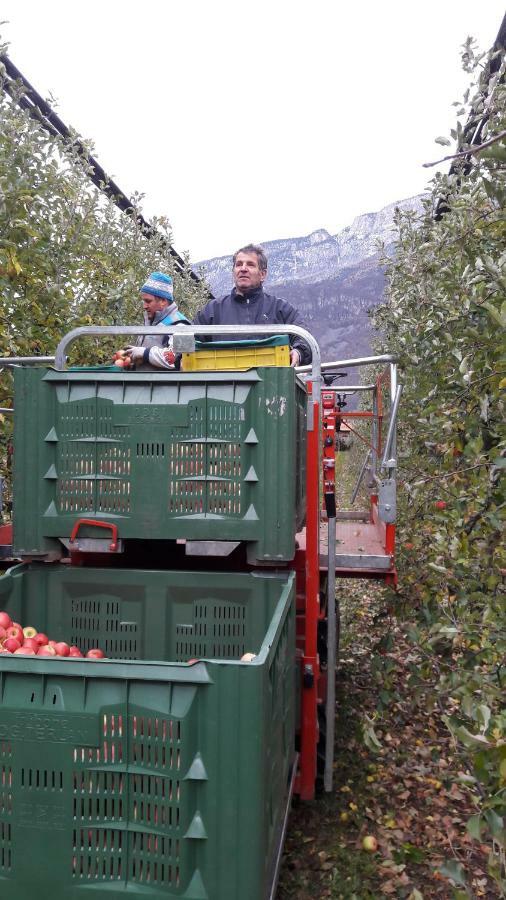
(161, 779)
(213, 456)
(233, 856)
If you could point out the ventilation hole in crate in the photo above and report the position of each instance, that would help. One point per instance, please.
(104, 423)
(97, 853)
(5, 846)
(6, 777)
(74, 495)
(156, 742)
(224, 421)
(6, 799)
(113, 460)
(113, 495)
(154, 859)
(150, 449)
(5, 748)
(77, 419)
(41, 779)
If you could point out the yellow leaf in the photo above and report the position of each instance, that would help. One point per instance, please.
(15, 262)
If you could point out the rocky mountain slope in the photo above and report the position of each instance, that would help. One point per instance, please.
(333, 279)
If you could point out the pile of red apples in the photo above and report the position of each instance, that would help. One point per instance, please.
(18, 641)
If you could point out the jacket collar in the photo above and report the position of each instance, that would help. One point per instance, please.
(254, 295)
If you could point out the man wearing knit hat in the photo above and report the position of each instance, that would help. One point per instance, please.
(159, 309)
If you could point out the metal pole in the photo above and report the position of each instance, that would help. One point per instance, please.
(374, 436)
(387, 462)
(350, 363)
(331, 648)
(26, 360)
(359, 479)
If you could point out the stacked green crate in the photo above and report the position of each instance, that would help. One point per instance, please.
(201, 456)
(142, 775)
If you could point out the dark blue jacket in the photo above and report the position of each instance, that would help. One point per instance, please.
(258, 308)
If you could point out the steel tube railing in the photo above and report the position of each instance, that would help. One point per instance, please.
(25, 360)
(237, 330)
(360, 477)
(386, 462)
(350, 363)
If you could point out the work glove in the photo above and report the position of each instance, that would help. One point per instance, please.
(135, 353)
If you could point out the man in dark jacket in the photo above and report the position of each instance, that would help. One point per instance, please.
(248, 304)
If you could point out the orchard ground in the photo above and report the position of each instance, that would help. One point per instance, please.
(403, 793)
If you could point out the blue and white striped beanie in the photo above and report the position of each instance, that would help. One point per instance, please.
(159, 285)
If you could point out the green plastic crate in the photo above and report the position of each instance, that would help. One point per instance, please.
(201, 456)
(148, 779)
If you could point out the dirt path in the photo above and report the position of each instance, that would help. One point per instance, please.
(400, 795)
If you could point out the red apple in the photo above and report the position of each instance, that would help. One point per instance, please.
(440, 504)
(25, 651)
(15, 631)
(29, 631)
(120, 363)
(3, 634)
(52, 643)
(31, 644)
(191, 661)
(41, 638)
(11, 644)
(75, 651)
(62, 648)
(95, 653)
(46, 650)
(5, 620)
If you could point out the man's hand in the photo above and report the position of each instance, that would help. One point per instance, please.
(135, 353)
(294, 358)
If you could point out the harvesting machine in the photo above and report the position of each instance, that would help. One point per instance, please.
(180, 520)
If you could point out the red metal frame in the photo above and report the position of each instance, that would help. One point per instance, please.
(310, 667)
(308, 572)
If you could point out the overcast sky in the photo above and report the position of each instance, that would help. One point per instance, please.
(254, 121)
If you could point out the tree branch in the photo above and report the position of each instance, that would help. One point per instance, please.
(471, 151)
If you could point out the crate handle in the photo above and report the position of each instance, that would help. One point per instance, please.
(114, 528)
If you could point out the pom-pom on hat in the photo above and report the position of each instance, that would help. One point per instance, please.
(159, 285)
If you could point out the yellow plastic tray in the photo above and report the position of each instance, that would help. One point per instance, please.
(236, 358)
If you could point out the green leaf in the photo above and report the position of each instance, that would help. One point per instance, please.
(474, 826)
(496, 825)
(454, 870)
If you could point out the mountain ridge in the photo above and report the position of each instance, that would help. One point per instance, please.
(334, 280)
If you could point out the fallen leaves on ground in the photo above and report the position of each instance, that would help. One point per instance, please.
(402, 792)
